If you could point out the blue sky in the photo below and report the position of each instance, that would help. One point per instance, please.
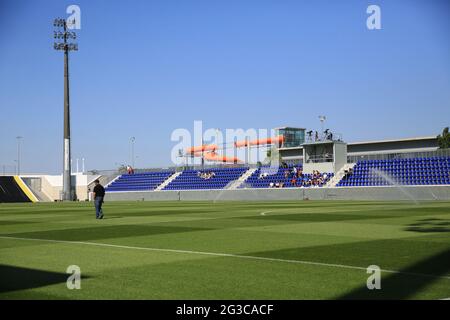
(146, 68)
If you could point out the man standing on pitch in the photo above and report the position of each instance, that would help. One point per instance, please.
(99, 194)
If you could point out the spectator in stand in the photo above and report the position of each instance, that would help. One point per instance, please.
(263, 175)
(294, 181)
(318, 175)
(206, 175)
(347, 173)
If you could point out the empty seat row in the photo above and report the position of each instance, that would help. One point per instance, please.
(139, 181)
(214, 178)
(413, 171)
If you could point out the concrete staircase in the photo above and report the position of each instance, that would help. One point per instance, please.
(37, 191)
(105, 181)
(339, 175)
(40, 195)
(237, 183)
(168, 180)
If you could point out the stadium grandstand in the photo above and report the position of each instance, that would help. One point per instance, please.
(302, 164)
(224, 156)
(298, 162)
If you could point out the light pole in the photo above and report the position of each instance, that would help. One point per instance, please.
(203, 159)
(218, 143)
(322, 120)
(217, 139)
(63, 34)
(132, 140)
(18, 154)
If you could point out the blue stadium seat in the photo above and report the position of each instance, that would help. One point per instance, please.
(139, 182)
(197, 180)
(413, 171)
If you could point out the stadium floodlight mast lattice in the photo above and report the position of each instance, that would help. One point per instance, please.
(63, 35)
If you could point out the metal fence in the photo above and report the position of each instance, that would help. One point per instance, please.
(386, 156)
(331, 136)
(116, 172)
(320, 159)
(219, 165)
(391, 156)
(8, 170)
(350, 159)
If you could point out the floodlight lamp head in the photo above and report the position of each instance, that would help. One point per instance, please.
(71, 23)
(58, 22)
(72, 47)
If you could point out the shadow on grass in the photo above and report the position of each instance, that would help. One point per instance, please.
(430, 225)
(14, 278)
(104, 232)
(176, 211)
(403, 285)
(14, 222)
(112, 217)
(315, 217)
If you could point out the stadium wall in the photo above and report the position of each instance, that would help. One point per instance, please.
(51, 185)
(408, 193)
(11, 190)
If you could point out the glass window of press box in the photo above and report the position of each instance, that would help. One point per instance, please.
(293, 137)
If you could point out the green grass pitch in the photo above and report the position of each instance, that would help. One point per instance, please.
(226, 250)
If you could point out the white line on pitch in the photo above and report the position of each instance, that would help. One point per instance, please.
(216, 254)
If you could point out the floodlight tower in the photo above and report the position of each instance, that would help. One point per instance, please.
(62, 33)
